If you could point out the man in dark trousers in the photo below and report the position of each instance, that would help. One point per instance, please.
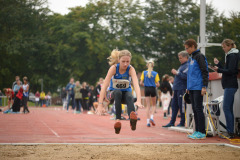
(179, 88)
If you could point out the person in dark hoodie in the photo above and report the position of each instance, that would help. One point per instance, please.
(197, 82)
(229, 81)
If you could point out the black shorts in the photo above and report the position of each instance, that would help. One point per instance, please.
(150, 91)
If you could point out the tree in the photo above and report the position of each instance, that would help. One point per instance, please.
(21, 37)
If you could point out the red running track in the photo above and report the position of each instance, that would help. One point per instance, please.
(53, 125)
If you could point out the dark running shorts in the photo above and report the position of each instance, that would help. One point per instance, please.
(150, 91)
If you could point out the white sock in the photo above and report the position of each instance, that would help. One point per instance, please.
(152, 116)
(148, 121)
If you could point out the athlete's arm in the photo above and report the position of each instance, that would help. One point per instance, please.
(111, 72)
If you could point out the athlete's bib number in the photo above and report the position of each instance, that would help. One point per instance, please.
(120, 84)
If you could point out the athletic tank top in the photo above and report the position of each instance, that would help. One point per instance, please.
(25, 94)
(121, 81)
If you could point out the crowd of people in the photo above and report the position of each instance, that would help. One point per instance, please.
(81, 97)
(18, 96)
(121, 86)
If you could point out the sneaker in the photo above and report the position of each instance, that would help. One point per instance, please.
(192, 135)
(152, 122)
(230, 135)
(113, 118)
(227, 135)
(148, 125)
(168, 125)
(198, 135)
(133, 120)
(90, 112)
(180, 125)
(117, 127)
(7, 111)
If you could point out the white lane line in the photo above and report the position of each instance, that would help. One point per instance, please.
(55, 133)
(119, 144)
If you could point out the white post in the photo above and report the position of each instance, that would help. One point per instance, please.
(202, 26)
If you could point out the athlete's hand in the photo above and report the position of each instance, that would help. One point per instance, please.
(100, 110)
(139, 104)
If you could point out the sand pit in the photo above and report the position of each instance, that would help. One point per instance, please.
(119, 152)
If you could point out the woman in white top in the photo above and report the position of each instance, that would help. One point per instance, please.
(25, 94)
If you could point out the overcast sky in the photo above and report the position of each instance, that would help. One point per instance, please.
(61, 6)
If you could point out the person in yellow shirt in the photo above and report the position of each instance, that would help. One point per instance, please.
(42, 98)
(150, 80)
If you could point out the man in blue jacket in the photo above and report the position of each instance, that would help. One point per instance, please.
(197, 82)
(179, 88)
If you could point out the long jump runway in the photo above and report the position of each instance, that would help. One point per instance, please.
(53, 125)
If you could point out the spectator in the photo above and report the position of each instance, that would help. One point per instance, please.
(166, 94)
(78, 97)
(48, 99)
(37, 98)
(229, 81)
(17, 78)
(70, 92)
(25, 94)
(179, 88)
(197, 81)
(171, 81)
(1, 95)
(85, 98)
(42, 98)
(16, 87)
(10, 95)
(91, 97)
(64, 98)
(17, 101)
(98, 88)
(150, 80)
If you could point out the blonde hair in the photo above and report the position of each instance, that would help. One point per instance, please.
(116, 55)
(25, 78)
(84, 84)
(150, 68)
(124, 53)
(113, 58)
(229, 43)
(77, 83)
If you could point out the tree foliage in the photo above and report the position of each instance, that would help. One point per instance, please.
(37, 43)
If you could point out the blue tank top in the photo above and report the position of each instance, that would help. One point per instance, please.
(121, 86)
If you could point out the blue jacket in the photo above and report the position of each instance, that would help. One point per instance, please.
(197, 71)
(180, 80)
(69, 85)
